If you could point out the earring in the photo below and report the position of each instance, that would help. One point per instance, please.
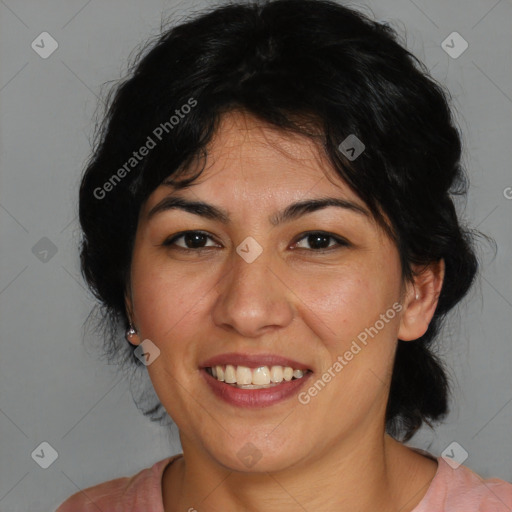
(417, 296)
(130, 335)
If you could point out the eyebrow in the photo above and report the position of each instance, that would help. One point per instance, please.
(291, 212)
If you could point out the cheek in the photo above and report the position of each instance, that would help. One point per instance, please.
(351, 311)
(167, 300)
(358, 346)
(339, 302)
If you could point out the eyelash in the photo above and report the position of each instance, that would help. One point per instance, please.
(340, 241)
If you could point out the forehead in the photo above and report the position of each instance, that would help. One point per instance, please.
(246, 148)
(250, 160)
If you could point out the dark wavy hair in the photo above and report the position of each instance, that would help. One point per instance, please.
(311, 67)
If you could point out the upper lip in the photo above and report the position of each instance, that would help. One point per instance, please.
(252, 361)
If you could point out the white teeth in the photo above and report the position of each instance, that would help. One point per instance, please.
(261, 375)
(276, 374)
(253, 378)
(229, 374)
(298, 374)
(243, 375)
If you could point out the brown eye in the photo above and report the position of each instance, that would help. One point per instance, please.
(190, 240)
(320, 241)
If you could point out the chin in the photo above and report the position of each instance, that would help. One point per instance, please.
(250, 455)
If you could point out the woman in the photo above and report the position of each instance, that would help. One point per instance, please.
(268, 214)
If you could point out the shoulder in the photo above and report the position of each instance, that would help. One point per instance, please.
(454, 489)
(126, 494)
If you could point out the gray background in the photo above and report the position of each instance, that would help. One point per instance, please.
(52, 389)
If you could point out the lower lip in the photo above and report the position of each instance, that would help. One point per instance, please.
(254, 397)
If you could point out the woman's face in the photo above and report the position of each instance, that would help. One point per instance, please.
(256, 293)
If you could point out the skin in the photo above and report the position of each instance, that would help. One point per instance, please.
(294, 301)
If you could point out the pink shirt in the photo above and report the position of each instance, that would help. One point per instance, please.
(451, 490)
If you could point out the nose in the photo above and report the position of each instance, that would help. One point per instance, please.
(253, 297)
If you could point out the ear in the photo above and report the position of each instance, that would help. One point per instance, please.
(418, 312)
(134, 339)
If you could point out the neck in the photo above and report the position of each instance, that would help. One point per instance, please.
(373, 474)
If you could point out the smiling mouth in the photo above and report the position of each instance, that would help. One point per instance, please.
(261, 377)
